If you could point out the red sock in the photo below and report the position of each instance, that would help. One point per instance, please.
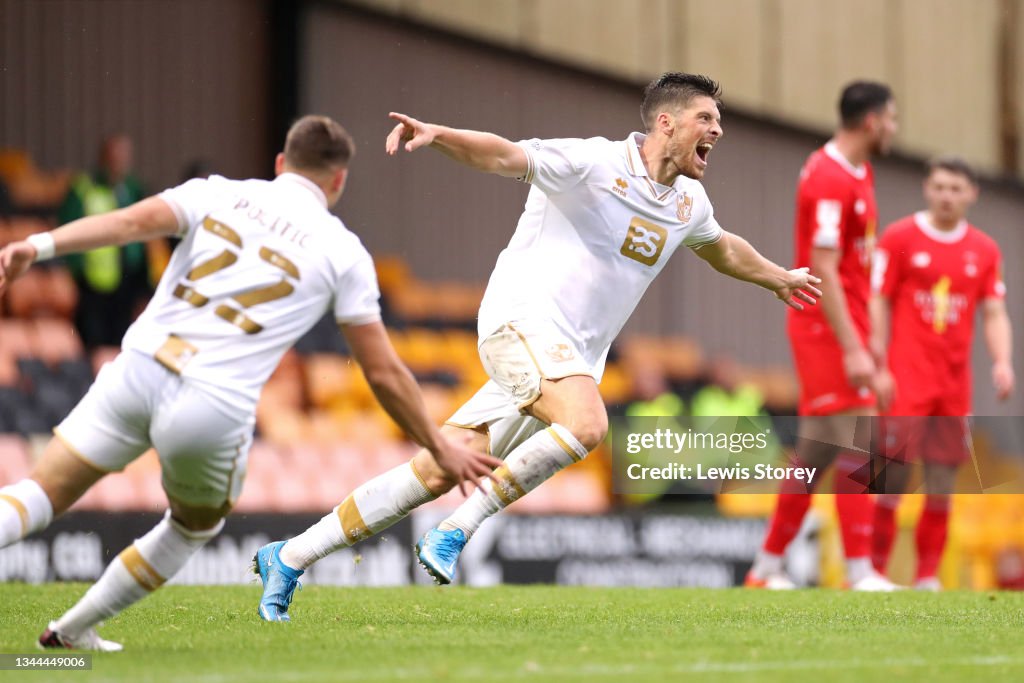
(931, 535)
(855, 513)
(884, 532)
(789, 516)
(851, 473)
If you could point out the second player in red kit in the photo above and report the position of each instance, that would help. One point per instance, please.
(932, 271)
(836, 211)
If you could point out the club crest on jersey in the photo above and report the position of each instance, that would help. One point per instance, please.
(921, 259)
(620, 187)
(684, 208)
(859, 207)
(971, 265)
(559, 352)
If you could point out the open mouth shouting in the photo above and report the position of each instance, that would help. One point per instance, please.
(703, 150)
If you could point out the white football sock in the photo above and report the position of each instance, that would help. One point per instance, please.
(528, 466)
(858, 568)
(24, 509)
(370, 509)
(767, 564)
(140, 569)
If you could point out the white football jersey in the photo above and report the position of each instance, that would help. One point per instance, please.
(595, 232)
(260, 262)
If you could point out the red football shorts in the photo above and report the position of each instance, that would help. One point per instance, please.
(824, 389)
(941, 440)
(926, 421)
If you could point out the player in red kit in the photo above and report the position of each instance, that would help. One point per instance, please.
(836, 219)
(932, 270)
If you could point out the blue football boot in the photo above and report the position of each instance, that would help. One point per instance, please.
(279, 582)
(438, 553)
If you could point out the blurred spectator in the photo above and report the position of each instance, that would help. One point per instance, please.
(197, 168)
(725, 395)
(652, 396)
(113, 282)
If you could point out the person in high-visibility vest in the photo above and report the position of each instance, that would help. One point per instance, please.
(113, 281)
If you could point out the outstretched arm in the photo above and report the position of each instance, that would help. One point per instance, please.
(483, 151)
(999, 339)
(147, 219)
(399, 395)
(734, 256)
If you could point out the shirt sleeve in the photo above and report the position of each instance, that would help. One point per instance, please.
(554, 166)
(993, 286)
(357, 297)
(707, 231)
(191, 202)
(886, 267)
(827, 215)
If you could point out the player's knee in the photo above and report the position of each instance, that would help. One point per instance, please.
(62, 476)
(590, 428)
(198, 518)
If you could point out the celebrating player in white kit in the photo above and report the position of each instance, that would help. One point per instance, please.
(259, 263)
(601, 220)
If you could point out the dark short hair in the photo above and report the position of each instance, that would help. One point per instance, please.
(859, 99)
(676, 89)
(953, 164)
(318, 143)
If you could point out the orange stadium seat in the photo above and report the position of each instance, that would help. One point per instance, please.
(16, 338)
(29, 186)
(392, 273)
(682, 358)
(8, 369)
(615, 386)
(778, 386)
(56, 340)
(20, 227)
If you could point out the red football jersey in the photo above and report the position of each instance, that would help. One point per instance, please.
(934, 280)
(835, 209)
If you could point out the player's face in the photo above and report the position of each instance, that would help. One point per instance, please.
(697, 129)
(884, 125)
(948, 195)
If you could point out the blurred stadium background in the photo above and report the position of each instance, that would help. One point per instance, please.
(218, 81)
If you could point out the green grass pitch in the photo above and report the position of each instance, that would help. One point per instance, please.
(541, 633)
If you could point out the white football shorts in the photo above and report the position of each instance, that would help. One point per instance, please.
(517, 357)
(520, 354)
(136, 403)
